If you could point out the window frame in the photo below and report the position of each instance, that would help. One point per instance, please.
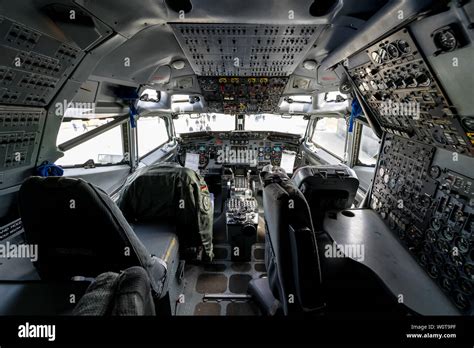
(166, 121)
(323, 148)
(119, 121)
(359, 129)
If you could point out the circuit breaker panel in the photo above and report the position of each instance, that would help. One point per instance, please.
(33, 66)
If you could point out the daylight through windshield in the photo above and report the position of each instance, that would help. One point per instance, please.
(189, 123)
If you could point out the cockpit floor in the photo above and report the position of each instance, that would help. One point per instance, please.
(226, 281)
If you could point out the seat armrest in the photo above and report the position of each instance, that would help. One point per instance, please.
(162, 244)
(306, 269)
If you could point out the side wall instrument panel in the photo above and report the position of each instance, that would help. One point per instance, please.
(405, 97)
(431, 209)
(33, 66)
(232, 95)
(20, 132)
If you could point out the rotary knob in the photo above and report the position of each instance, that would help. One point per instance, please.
(372, 72)
(410, 81)
(390, 84)
(400, 83)
(422, 80)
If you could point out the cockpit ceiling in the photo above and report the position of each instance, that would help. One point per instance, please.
(245, 49)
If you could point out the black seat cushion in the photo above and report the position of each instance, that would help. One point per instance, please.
(160, 238)
(80, 231)
(162, 242)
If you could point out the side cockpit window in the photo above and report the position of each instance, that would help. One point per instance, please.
(369, 147)
(152, 134)
(104, 148)
(330, 135)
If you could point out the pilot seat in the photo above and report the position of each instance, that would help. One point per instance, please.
(80, 232)
(291, 254)
(166, 198)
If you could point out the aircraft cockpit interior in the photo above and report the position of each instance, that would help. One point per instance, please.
(170, 158)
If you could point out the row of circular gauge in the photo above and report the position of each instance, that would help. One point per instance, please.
(205, 149)
(421, 80)
(207, 152)
(390, 51)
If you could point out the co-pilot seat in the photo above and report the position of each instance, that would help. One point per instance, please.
(80, 231)
(298, 266)
(168, 198)
(291, 253)
(333, 188)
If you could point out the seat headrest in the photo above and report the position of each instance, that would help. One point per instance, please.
(337, 185)
(337, 171)
(272, 174)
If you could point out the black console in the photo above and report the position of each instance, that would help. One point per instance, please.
(380, 251)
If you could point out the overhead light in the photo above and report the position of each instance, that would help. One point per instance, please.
(301, 83)
(310, 64)
(178, 64)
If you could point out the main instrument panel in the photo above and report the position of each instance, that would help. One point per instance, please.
(252, 149)
(430, 206)
(405, 97)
